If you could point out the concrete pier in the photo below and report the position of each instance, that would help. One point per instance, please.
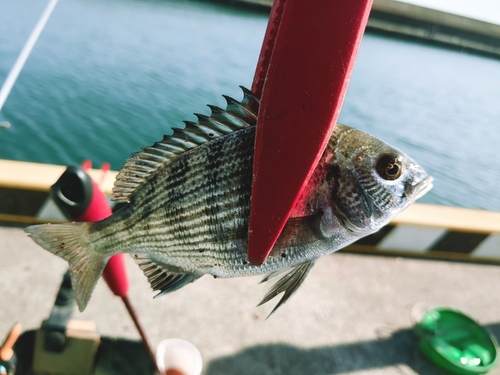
(351, 316)
(434, 26)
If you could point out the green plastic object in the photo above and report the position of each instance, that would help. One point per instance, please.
(456, 342)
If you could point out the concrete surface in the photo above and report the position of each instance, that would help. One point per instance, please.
(352, 315)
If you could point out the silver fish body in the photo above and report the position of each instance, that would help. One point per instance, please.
(189, 205)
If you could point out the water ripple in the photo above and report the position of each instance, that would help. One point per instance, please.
(108, 77)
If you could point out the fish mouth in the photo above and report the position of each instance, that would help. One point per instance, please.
(414, 192)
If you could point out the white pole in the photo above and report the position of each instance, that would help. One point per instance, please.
(23, 56)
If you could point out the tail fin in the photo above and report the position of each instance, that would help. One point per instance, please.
(71, 242)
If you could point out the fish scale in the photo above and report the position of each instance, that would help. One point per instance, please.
(193, 219)
(189, 204)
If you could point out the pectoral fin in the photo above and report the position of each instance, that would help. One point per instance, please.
(303, 230)
(288, 284)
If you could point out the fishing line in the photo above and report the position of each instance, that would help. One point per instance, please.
(23, 56)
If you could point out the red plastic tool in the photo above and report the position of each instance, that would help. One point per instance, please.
(302, 76)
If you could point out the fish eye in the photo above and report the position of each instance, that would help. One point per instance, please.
(389, 166)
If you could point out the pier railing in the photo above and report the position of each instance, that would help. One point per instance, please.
(422, 230)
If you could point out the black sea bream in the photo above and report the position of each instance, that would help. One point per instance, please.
(189, 203)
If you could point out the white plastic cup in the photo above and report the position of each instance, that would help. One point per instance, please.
(180, 355)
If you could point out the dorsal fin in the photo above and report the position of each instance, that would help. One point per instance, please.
(141, 165)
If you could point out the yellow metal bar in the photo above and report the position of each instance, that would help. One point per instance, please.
(22, 219)
(40, 177)
(451, 218)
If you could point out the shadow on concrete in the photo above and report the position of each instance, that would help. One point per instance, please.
(120, 356)
(398, 349)
(115, 356)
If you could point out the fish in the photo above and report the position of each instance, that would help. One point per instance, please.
(188, 206)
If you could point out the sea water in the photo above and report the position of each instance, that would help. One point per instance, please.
(109, 76)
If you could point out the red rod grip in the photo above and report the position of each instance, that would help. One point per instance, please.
(115, 272)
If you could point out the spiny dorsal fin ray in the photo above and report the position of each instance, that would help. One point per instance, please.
(288, 284)
(213, 127)
(197, 132)
(142, 165)
(250, 101)
(160, 278)
(239, 110)
(224, 117)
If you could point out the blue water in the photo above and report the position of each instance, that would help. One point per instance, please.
(109, 76)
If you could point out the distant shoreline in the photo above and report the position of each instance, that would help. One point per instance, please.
(418, 23)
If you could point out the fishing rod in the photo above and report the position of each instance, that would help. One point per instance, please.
(23, 56)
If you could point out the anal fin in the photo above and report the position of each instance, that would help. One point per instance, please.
(162, 279)
(288, 284)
